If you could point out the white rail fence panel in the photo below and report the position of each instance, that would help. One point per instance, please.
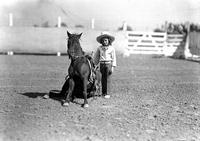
(153, 42)
(146, 42)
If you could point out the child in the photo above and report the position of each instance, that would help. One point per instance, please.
(105, 55)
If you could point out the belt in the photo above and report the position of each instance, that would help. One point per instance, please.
(105, 62)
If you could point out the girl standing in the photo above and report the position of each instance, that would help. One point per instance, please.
(105, 55)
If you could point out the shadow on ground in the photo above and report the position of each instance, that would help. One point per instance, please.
(54, 96)
(33, 94)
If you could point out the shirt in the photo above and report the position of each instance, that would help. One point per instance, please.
(105, 53)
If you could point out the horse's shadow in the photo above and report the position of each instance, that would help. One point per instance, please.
(50, 95)
(53, 94)
(33, 94)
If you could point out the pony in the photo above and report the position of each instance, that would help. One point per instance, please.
(79, 71)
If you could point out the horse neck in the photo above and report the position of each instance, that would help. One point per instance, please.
(77, 52)
(75, 57)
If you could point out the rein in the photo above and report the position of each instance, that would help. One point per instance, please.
(96, 67)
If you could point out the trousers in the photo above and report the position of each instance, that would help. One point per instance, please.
(106, 72)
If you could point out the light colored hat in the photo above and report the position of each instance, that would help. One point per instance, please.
(105, 34)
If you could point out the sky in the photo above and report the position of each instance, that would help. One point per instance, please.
(139, 14)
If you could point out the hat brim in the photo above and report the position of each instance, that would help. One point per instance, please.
(105, 36)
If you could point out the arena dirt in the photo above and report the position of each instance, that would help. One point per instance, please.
(152, 99)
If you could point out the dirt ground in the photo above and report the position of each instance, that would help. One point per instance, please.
(152, 99)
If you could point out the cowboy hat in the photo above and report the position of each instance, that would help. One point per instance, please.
(105, 34)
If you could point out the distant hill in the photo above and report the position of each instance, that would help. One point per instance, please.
(108, 14)
(38, 12)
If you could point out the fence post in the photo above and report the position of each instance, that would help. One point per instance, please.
(165, 48)
(126, 52)
(58, 53)
(10, 19)
(59, 21)
(92, 23)
(187, 52)
(10, 53)
(124, 26)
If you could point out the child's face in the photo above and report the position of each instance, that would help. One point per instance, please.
(105, 41)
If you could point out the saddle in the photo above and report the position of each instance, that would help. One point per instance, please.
(91, 77)
(92, 69)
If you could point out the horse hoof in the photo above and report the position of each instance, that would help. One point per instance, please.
(85, 105)
(46, 96)
(65, 104)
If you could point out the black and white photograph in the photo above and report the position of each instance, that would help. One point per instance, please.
(100, 70)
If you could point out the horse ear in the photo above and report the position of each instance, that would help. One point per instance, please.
(68, 34)
(79, 36)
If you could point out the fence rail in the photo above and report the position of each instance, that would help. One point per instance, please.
(153, 42)
(173, 42)
(146, 42)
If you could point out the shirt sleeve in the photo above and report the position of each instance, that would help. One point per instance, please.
(97, 56)
(114, 62)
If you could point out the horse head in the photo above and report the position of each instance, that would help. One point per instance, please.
(73, 45)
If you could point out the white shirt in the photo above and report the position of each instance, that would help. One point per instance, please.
(105, 53)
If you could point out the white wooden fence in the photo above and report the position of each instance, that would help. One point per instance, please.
(153, 43)
(173, 42)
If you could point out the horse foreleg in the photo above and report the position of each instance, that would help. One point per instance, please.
(70, 91)
(85, 81)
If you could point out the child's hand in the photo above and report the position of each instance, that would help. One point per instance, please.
(112, 69)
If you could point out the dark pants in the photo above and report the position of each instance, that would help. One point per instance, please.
(105, 70)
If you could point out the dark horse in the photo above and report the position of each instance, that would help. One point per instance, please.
(79, 69)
